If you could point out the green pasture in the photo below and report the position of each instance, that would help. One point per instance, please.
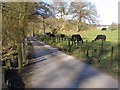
(112, 36)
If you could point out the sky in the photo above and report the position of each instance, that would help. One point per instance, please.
(119, 13)
(108, 11)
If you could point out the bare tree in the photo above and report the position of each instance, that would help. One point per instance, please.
(45, 11)
(83, 12)
(61, 10)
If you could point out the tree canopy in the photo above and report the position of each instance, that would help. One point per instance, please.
(14, 20)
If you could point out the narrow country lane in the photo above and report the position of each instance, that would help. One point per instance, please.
(52, 68)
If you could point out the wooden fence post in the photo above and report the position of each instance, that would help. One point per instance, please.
(98, 53)
(48, 40)
(76, 43)
(24, 46)
(87, 43)
(72, 42)
(44, 39)
(52, 39)
(62, 38)
(87, 52)
(81, 46)
(59, 39)
(112, 51)
(69, 44)
(20, 55)
(102, 45)
(56, 39)
(65, 39)
(92, 46)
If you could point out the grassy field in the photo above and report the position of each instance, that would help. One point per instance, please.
(105, 54)
(112, 36)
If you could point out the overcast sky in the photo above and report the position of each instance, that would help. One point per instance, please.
(108, 11)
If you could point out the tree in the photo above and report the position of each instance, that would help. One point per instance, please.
(14, 21)
(15, 17)
(61, 10)
(45, 11)
(84, 12)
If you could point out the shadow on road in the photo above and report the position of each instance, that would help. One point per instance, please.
(81, 78)
(67, 70)
(65, 74)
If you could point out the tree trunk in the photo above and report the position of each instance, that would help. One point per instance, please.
(24, 50)
(78, 28)
(63, 26)
(20, 54)
(44, 25)
(23, 45)
(78, 25)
